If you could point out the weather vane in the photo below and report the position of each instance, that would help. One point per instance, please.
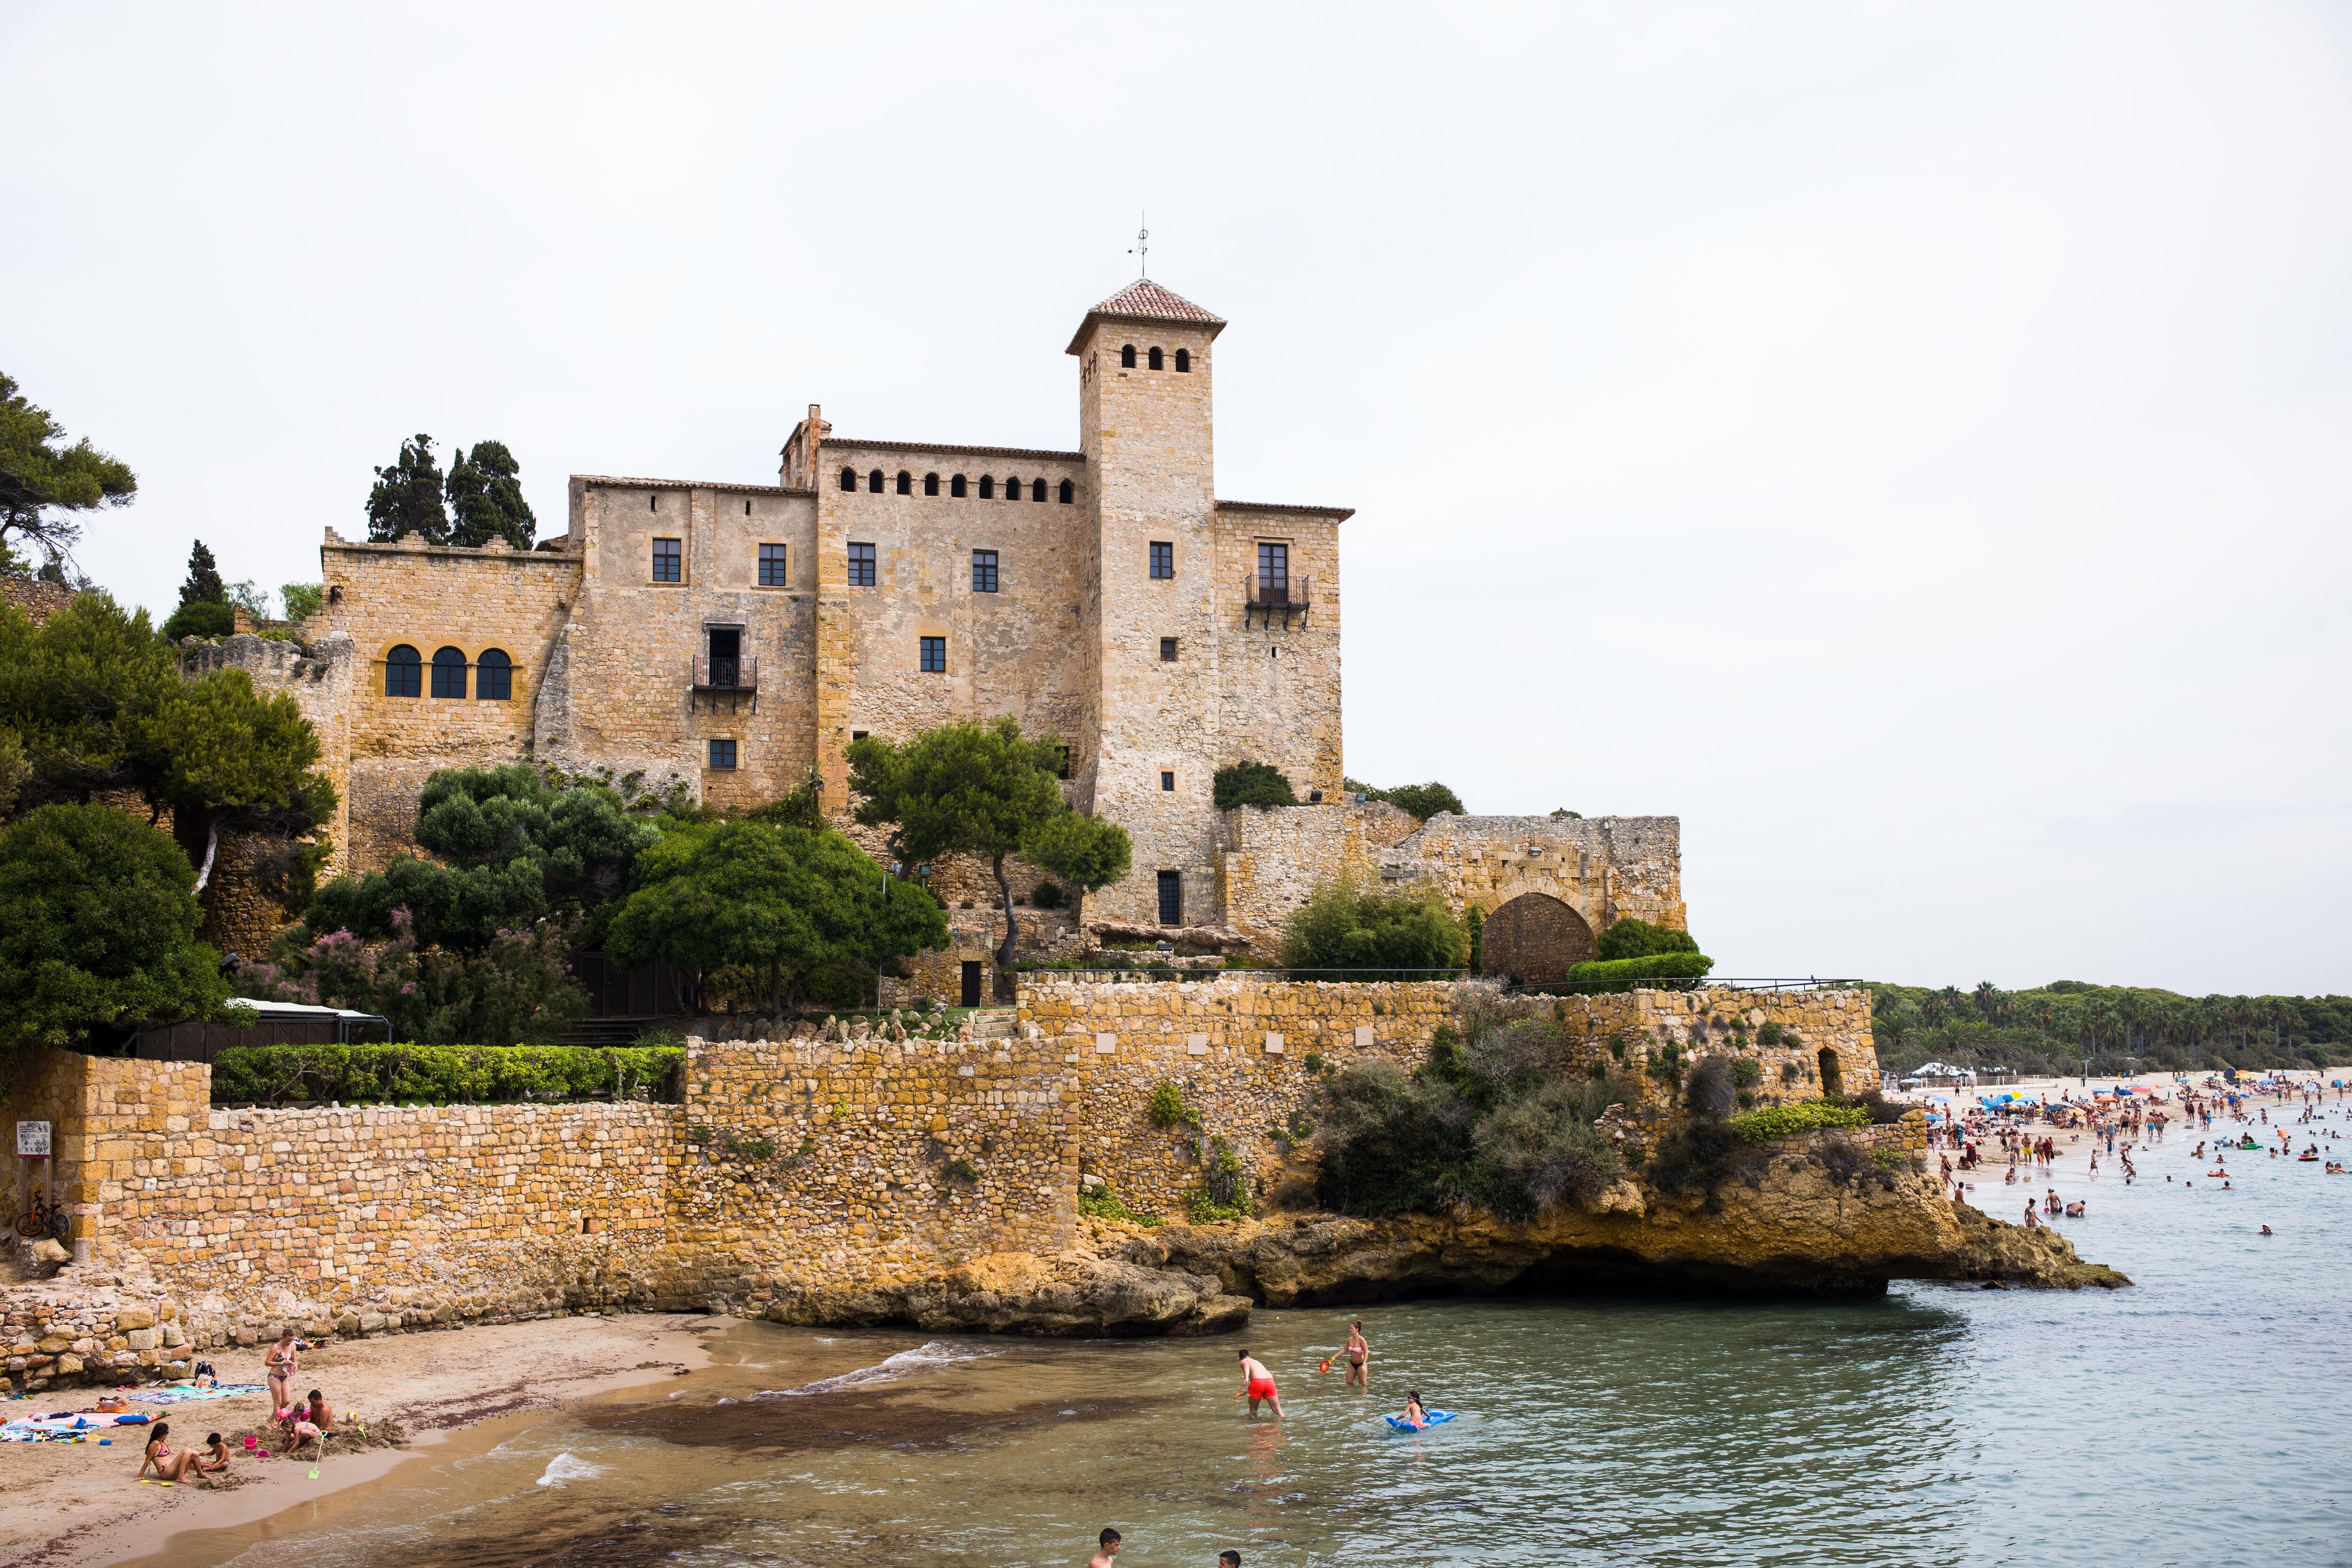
(1142, 249)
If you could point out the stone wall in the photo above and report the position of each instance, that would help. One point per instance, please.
(790, 1165)
(35, 596)
(1583, 873)
(1273, 859)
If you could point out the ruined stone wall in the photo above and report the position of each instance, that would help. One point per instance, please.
(383, 595)
(1274, 859)
(1584, 872)
(621, 697)
(35, 596)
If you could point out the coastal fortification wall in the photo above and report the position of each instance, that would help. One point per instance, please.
(787, 1168)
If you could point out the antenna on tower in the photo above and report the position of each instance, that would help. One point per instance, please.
(1141, 250)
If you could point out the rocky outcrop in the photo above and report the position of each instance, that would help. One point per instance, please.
(1799, 1233)
(1073, 1293)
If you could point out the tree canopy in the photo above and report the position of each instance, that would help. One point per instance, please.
(983, 789)
(97, 927)
(1629, 937)
(485, 499)
(406, 497)
(203, 585)
(513, 845)
(95, 703)
(779, 901)
(45, 485)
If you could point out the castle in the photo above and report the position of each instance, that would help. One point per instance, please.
(731, 638)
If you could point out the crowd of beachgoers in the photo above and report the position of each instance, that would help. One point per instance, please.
(2018, 1135)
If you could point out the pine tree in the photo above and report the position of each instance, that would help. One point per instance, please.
(485, 499)
(203, 585)
(407, 497)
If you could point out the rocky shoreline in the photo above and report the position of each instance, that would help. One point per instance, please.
(1798, 1234)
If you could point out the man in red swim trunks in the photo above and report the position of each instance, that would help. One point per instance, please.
(1258, 1383)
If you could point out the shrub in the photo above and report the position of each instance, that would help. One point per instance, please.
(200, 619)
(1170, 1112)
(1804, 1116)
(1769, 1035)
(963, 1170)
(1047, 896)
(1881, 1110)
(1104, 1203)
(1425, 800)
(1251, 784)
(1623, 974)
(1225, 1194)
(1350, 927)
(1630, 938)
(1665, 1064)
(441, 1074)
(1747, 1071)
(1709, 1089)
(1548, 1149)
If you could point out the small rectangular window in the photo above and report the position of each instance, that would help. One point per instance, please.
(935, 656)
(722, 755)
(857, 734)
(861, 566)
(1168, 782)
(1163, 558)
(1065, 751)
(983, 571)
(771, 567)
(667, 560)
(1171, 898)
(1167, 650)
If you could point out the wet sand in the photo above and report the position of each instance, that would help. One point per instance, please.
(76, 1505)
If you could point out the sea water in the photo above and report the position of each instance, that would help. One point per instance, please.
(2198, 1418)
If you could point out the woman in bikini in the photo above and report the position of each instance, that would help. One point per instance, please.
(1359, 1356)
(168, 1467)
(1415, 1416)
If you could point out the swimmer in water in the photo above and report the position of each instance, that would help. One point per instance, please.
(1106, 1549)
(1359, 1357)
(1416, 1415)
(2266, 1230)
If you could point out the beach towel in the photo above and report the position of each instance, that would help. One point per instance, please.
(181, 1393)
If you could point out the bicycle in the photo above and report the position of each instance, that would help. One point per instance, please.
(42, 1220)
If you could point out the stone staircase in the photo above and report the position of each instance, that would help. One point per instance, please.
(994, 1024)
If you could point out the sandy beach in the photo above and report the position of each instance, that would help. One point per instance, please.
(77, 1505)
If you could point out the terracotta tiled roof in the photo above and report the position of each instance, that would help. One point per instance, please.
(1144, 300)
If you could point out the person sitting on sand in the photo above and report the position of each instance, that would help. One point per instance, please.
(214, 1456)
(168, 1467)
(1416, 1415)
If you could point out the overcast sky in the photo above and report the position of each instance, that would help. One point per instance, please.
(1912, 444)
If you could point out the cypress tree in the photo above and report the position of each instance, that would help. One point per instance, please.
(203, 585)
(485, 499)
(407, 497)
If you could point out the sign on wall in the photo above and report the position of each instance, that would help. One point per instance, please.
(33, 1140)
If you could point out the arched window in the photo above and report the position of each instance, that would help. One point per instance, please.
(873, 481)
(905, 483)
(988, 487)
(956, 486)
(930, 484)
(1183, 359)
(1069, 492)
(1013, 487)
(494, 676)
(449, 672)
(1126, 357)
(849, 478)
(404, 673)
(1157, 362)
(1036, 489)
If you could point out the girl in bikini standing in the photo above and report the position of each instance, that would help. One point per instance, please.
(1359, 1356)
(280, 1361)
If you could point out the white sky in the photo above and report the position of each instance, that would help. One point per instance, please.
(1908, 442)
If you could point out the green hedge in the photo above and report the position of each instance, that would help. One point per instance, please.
(1804, 1116)
(441, 1074)
(1618, 972)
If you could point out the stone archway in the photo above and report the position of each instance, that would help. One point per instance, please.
(1535, 938)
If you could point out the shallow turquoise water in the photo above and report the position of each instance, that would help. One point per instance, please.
(2197, 1419)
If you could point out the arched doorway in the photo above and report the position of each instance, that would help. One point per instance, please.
(1535, 938)
(1833, 1076)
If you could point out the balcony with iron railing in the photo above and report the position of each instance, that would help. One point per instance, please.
(1285, 597)
(733, 678)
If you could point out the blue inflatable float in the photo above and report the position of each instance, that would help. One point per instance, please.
(1436, 1418)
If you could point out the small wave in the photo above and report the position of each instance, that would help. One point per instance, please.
(937, 1352)
(567, 1467)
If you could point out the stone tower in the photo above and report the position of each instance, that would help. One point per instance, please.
(1145, 371)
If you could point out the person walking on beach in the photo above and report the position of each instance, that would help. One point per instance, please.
(1359, 1357)
(1258, 1383)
